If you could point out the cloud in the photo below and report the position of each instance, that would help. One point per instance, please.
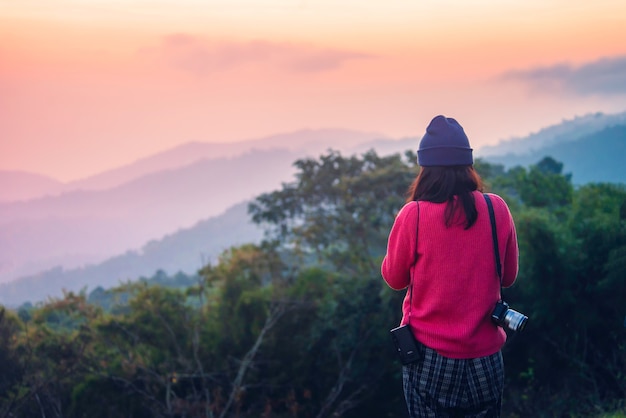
(199, 56)
(606, 76)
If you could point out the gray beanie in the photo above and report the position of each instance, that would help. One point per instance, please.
(444, 144)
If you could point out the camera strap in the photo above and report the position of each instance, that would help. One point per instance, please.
(417, 227)
(494, 234)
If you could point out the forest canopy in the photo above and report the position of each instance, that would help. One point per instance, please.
(298, 326)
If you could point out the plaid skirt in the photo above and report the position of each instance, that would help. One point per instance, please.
(437, 386)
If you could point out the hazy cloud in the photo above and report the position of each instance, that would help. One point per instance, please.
(200, 56)
(606, 77)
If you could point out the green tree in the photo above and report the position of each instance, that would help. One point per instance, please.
(11, 364)
(298, 326)
(339, 209)
(544, 185)
(572, 355)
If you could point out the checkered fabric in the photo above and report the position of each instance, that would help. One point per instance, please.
(438, 386)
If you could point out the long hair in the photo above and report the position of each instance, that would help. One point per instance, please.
(454, 185)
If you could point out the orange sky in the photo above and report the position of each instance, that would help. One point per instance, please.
(88, 85)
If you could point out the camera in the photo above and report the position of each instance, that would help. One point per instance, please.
(508, 318)
(407, 347)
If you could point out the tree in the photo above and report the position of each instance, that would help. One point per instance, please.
(544, 185)
(298, 326)
(339, 208)
(571, 284)
(10, 363)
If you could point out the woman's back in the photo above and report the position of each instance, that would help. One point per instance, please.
(455, 285)
(441, 248)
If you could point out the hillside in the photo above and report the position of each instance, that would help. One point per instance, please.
(564, 132)
(596, 157)
(16, 186)
(89, 226)
(20, 185)
(97, 237)
(302, 142)
(186, 250)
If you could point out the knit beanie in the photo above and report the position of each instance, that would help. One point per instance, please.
(444, 144)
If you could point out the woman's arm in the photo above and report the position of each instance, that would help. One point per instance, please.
(401, 250)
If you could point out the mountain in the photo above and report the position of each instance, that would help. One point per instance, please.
(89, 226)
(562, 133)
(595, 157)
(186, 250)
(16, 186)
(307, 142)
(89, 236)
(89, 220)
(21, 185)
(159, 216)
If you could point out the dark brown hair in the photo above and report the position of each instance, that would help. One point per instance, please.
(442, 184)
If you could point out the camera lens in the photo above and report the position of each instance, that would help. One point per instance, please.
(514, 320)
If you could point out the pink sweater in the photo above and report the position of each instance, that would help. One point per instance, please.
(456, 284)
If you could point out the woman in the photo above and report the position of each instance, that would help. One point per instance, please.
(441, 248)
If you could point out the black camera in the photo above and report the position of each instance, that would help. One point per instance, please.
(408, 348)
(508, 318)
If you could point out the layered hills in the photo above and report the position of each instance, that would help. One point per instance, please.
(177, 210)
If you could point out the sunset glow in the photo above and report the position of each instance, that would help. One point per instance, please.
(88, 85)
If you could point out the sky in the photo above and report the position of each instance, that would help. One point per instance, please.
(90, 85)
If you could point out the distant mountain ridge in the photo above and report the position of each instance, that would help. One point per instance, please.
(595, 157)
(304, 141)
(90, 226)
(98, 237)
(160, 194)
(21, 185)
(186, 250)
(566, 131)
(16, 185)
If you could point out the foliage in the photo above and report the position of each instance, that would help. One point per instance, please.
(339, 208)
(298, 325)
